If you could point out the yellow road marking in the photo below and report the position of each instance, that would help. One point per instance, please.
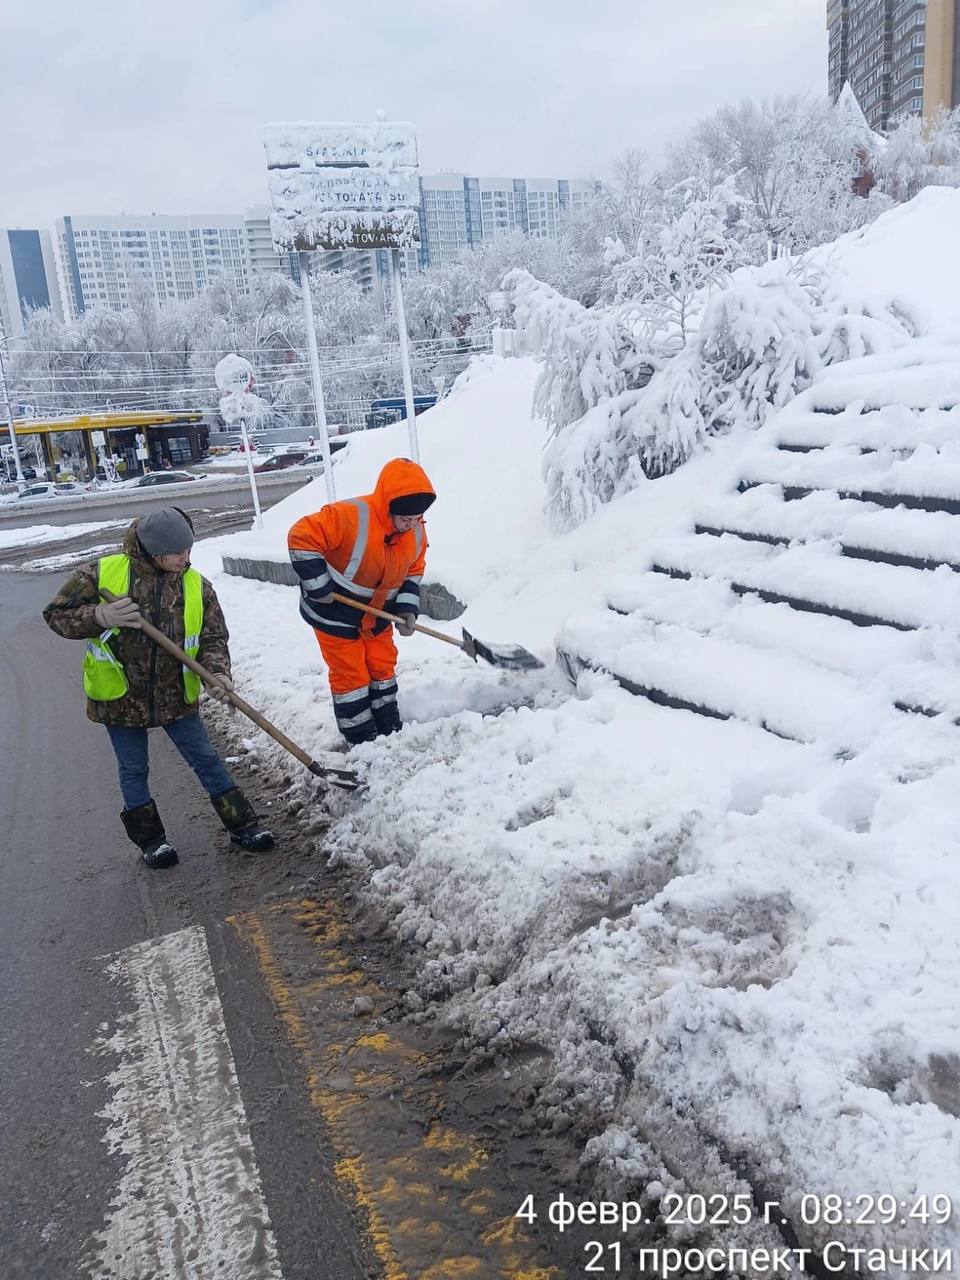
(350, 1172)
(423, 1191)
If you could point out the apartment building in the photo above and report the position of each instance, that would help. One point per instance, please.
(28, 278)
(98, 257)
(458, 211)
(901, 57)
(260, 250)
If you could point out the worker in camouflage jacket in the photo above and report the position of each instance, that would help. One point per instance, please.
(133, 685)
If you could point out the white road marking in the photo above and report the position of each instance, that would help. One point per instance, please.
(189, 1204)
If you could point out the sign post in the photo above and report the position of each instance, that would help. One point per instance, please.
(404, 354)
(234, 379)
(345, 186)
(321, 409)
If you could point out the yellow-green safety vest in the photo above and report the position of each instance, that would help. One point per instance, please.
(104, 679)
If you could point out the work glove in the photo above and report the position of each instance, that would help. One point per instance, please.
(220, 687)
(406, 623)
(121, 612)
(327, 599)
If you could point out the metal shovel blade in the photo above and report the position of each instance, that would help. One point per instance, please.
(513, 657)
(345, 779)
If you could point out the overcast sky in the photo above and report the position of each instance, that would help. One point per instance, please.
(110, 106)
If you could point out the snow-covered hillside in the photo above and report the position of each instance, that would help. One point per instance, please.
(709, 883)
(910, 252)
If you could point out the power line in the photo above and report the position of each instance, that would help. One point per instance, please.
(481, 332)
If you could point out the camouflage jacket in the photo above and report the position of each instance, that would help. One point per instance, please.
(155, 696)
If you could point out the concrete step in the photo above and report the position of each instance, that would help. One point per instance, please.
(925, 476)
(818, 578)
(724, 678)
(894, 427)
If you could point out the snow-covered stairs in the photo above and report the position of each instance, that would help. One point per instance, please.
(815, 596)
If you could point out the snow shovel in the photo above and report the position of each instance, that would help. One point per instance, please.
(345, 778)
(511, 656)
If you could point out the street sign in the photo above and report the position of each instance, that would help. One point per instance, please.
(234, 378)
(343, 186)
(233, 375)
(294, 190)
(382, 144)
(354, 230)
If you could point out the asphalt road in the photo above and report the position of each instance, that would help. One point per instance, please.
(389, 1153)
(120, 505)
(211, 513)
(72, 893)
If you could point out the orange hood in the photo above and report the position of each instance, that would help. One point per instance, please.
(399, 479)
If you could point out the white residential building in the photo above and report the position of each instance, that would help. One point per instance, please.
(501, 206)
(444, 227)
(99, 256)
(28, 278)
(263, 256)
(459, 211)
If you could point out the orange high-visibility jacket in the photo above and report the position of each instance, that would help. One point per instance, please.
(351, 547)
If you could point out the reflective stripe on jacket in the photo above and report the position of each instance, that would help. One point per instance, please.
(104, 679)
(352, 548)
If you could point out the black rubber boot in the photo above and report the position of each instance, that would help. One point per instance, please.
(383, 706)
(387, 719)
(145, 829)
(237, 815)
(365, 733)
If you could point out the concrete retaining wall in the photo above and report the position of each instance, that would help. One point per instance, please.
(435, 600)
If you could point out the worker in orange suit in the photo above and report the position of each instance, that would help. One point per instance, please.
(373, 550)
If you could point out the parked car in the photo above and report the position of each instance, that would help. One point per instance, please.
(163, 477)
(47, 490)
(28, 473)
(279, 462)
(298, 458)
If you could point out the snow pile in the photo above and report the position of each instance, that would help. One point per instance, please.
(909, 253)
(481, 449)
(34, 534)
(725, 948)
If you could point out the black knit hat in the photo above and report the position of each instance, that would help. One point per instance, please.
(412, 504)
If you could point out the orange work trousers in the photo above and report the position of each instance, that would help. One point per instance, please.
(362, 683)
(353, 664)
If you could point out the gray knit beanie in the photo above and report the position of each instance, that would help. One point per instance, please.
(164, 532)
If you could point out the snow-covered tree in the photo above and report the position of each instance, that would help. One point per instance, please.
(626, 214)
(920, 154)
(618, 412)
(692, 253)
(793, 161)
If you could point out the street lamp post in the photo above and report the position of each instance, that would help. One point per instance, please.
(8, 412)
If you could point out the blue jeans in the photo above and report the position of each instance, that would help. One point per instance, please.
(189, 737)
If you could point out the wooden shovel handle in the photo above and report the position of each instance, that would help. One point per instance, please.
(209, 678)
(392, 617)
